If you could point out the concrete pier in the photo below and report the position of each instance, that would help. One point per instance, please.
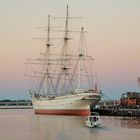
(16, 105)
(117, 112)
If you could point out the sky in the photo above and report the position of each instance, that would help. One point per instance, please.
(113, 39)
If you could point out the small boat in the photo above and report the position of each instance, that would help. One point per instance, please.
(93, 120)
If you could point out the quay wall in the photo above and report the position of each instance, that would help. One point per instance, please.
(117, 112)
(16, 105)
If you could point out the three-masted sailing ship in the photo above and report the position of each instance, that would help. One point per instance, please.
(65, 83)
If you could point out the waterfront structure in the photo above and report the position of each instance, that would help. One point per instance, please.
(130, 100)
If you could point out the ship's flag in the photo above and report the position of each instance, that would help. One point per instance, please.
(96, 87)
(138, 79)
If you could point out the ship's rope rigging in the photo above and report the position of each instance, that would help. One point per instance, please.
(62, 78)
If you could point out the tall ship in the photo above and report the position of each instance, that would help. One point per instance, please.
(64, 80)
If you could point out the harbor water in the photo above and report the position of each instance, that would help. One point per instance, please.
(22, 124)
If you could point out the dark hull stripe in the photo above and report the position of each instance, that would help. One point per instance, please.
(79, 112)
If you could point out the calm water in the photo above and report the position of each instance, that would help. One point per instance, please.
(24, 125)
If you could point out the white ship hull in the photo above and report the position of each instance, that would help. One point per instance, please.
(78, 104)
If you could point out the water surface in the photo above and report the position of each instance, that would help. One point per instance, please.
(24, 125)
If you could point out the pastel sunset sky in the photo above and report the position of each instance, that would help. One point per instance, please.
(113, 39)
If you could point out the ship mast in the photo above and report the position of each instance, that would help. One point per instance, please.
(66, 41)
(48, 44)
(46, 76)
(80, 55)
(64, 52)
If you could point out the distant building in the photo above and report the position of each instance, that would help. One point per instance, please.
(130, 99)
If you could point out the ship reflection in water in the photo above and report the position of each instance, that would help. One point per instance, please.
(24, 125)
